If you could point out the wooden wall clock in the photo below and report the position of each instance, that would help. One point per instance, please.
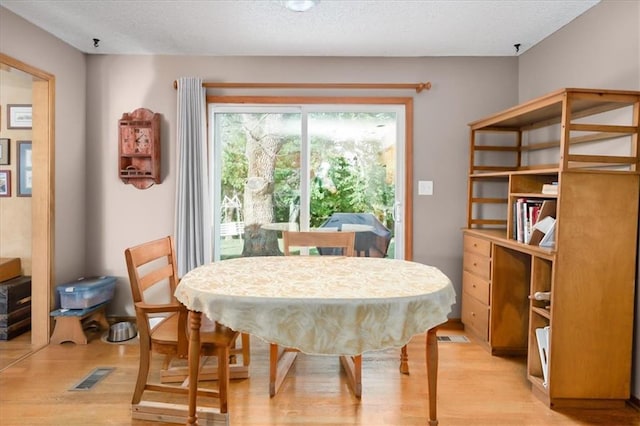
(139, 148)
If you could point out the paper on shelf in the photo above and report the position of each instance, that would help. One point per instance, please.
(549, 237)
(542, 335)
(543, 232)
(545, 224)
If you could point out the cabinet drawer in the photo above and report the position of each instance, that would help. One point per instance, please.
(475, 315)
(477, 265)
(476, 287)
(477, 245)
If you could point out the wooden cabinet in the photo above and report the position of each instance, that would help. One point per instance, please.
(15, 307)
(476, 274)
(139, 148)
(584, 143)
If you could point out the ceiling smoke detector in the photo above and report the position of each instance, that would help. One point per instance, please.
(299, 5)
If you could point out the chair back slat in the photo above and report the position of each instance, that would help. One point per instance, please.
(164, 273)
(141, 277)
(340, 240)
(147, 252)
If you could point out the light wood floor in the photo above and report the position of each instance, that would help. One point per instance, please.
(14, 349)
(473, 389)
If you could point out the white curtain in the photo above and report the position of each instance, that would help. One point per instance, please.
(193, 234)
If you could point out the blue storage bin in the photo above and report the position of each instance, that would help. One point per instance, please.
(86, 292)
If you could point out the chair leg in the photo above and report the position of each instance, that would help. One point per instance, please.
(143, 372)
(223, 377)
(246, 350)
(279, 366)
(273, 368)
(166, 362)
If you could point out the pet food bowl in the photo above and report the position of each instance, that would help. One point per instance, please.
(122, 331)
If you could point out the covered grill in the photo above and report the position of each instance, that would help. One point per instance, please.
(372, 237)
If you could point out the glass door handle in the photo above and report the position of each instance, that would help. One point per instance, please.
(396, 213)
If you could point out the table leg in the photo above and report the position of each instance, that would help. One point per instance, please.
(432, 374)
(279, 366)
(353, 369)
(404, 360)
(195, 319)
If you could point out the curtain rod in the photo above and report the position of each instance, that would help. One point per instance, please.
(418, 87)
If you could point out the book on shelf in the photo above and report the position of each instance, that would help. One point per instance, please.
(550, 188)
(526, 212)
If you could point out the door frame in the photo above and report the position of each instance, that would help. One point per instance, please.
(408, 153)
(42, 199)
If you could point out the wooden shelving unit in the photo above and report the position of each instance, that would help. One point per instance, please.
(586, 140)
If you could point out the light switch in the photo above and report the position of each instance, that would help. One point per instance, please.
(425, 187)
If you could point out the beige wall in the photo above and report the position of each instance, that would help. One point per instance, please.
(15, 212)
(35, 47)
(119, 215)
(599, 49)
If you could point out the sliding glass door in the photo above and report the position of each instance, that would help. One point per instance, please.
(302, 167)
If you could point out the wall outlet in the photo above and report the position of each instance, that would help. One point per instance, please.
(425, 187)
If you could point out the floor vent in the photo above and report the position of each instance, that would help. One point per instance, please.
(94, 377)
(453, 339)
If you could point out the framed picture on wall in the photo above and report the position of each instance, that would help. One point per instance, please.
(4, 152)
(18, 116)
(25, 166)
(5, 183)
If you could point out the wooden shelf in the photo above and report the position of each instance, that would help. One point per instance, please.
(499, 237)
(511, 172)
(538, 382)
(547, 109)
(542, 312)
(532, 195)
(135, 156)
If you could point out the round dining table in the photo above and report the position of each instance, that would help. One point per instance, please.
(326, 305)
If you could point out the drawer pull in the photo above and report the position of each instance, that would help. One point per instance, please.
(475, 264)
(473, 285)
(473, 314)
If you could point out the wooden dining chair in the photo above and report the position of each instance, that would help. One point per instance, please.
(153, 273)
(404, 354)
(342, 241)
(280, 361)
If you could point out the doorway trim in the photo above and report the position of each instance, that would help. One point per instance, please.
(42, 200)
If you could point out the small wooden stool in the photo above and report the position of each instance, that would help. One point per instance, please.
(70, 323)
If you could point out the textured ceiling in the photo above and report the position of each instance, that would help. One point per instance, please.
(332, 28)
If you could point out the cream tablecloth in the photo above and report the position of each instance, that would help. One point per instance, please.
(319, 304)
